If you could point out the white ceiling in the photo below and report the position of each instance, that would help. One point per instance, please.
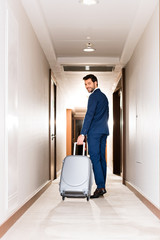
(64, 27)
(71, 23)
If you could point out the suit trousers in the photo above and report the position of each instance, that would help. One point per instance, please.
(96, 147)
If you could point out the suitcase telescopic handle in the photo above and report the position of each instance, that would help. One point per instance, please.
(74, 150)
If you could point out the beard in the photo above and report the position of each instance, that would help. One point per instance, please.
(90, 90)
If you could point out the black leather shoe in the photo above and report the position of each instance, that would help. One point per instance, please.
(99, 192)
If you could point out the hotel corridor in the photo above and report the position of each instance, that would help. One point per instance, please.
(46, 49)
(119, 215)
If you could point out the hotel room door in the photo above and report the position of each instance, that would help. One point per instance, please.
(52, 129)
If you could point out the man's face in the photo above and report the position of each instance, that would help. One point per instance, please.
(90, 86)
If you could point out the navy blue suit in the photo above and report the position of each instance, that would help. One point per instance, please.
(95, 126)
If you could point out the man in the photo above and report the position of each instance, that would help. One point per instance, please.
(95, 126)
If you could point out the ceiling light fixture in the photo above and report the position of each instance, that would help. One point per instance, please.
(89, 48)
(87, 68)
(89, 2)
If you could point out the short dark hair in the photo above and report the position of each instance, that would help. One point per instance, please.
(92, 77)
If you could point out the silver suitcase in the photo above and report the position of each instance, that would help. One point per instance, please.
(76, 176)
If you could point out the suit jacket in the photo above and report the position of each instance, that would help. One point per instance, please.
(96, 118)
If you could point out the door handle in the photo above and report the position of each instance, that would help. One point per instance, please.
(53, 136)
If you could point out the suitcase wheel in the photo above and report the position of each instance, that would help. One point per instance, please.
(63, 197)
(88, 198)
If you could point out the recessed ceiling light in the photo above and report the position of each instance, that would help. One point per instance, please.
(89, 48)
(89, 2)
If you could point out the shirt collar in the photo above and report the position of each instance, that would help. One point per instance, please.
(95, 89)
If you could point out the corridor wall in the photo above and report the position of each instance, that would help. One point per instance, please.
(142, 114)
(24, 106)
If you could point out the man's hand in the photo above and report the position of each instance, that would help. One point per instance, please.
(80, 139)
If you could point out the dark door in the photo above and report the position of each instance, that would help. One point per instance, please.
(52, 129)
(119, 128)
(116, 134)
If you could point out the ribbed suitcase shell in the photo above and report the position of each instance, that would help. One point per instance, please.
(76, 177)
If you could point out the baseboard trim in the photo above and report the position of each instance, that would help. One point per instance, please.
(151, 206)
(58, 173)
(11, 220)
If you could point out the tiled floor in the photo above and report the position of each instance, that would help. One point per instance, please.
(119, 215)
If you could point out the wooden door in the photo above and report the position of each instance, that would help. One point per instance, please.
(68, 132)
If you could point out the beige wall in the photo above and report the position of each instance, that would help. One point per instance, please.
(24, 145)
(2, 109)
(142, 102)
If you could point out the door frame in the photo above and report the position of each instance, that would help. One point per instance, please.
(123, 129)
(53, 175)
(121, 87)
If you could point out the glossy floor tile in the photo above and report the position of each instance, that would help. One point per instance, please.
(119, 215)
